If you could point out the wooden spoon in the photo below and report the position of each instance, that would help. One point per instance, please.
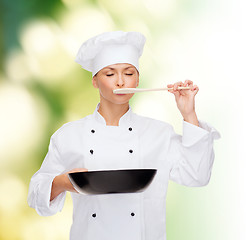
(136, 90)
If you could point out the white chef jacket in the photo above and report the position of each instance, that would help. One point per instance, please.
(90, 143)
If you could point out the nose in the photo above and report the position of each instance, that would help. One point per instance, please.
(120, 81)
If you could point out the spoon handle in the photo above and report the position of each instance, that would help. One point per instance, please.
(136, 90)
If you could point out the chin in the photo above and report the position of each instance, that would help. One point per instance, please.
(123, 99)
(120, 101)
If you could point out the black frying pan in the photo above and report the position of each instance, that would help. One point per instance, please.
(112, 181)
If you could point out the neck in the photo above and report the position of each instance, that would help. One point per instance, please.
(112, 112)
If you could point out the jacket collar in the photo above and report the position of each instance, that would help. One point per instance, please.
(125, 120)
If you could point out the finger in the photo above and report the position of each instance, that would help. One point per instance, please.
(171, 91)
(188, 82)
(176, 85)
(183, 92)
(195, 89)
(169, 86)
(176, 94)
(78, 170)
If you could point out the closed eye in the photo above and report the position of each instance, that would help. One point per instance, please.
(108, 75)
(129, 74)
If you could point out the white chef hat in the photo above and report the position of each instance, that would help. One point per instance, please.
(110, 48)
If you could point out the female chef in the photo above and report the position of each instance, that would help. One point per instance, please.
(114, 137)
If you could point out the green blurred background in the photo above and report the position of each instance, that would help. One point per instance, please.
(41, 88)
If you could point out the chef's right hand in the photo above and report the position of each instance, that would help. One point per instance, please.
(61, 183)
(68, 185)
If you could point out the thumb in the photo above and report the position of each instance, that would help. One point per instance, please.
(78, 170)
(195, 90)
(176, 94)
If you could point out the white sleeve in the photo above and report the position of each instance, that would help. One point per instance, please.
(192, 154)
(41, 183)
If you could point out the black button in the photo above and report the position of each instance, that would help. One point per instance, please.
(130, 151)
(133, 214)
(92, 130)
(130, 129)
(94, 215)
(91, 151)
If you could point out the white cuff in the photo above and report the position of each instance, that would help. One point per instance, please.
(45, 207)
(193, 134)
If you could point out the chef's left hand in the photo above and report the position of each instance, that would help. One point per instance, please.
(185, 99)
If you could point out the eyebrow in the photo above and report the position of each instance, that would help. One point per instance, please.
(115, 68)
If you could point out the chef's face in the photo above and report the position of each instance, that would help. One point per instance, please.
(120, 75)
